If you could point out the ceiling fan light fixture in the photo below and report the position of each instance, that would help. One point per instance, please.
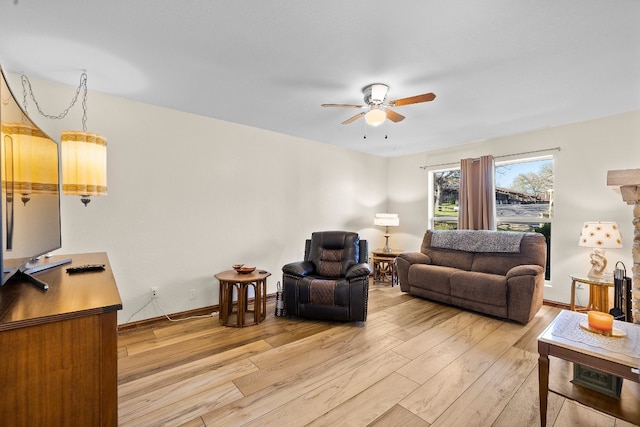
(377, 110)
(378, 93)
(375, 117)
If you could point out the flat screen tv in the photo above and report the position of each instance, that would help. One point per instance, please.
(30, 203)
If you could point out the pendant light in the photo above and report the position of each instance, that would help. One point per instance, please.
(84, 154)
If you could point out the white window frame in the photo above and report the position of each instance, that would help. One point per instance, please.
(431, 203)
(432, 218)
(526, 220)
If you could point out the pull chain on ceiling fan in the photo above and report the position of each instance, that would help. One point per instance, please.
(377, 110)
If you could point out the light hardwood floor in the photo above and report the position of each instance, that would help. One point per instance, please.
(413, 363)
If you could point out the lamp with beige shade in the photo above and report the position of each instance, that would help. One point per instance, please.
(599, 236)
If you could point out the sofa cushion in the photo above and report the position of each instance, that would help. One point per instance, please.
(449, 258)
(313, 290)
(329, 262)
(495, 263)
(333, 252)
(481, 287)
(322, 291)
(435, 277)
(532, 252)
(446, 257)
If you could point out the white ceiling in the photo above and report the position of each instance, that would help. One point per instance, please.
(498, 67)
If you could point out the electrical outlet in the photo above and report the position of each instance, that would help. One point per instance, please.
(154, 292)
(192, 294)
(579, 286)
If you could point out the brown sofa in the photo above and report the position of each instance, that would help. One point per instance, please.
(492, 272)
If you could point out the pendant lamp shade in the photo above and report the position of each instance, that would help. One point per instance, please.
(84, 164)
(27, 166)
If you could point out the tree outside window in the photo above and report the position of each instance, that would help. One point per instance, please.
(445, 189)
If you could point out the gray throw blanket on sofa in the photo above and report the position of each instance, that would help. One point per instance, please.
(477, 240)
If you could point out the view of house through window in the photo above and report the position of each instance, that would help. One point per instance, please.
(524, 197)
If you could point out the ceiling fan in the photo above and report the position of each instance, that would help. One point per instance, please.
(377, 109)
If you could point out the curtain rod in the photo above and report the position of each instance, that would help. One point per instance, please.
(496, 157)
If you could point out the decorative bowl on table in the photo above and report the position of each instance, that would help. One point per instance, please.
(237, 266)
(245, 270)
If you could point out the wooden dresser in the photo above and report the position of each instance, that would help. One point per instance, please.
(58, 348)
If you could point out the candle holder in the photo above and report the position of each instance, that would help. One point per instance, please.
(601, 323)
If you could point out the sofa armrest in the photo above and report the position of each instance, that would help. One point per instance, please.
(415, 257)
(404, 261)
(358, 270)
(526, 292)
(524, 270)
(299, 268)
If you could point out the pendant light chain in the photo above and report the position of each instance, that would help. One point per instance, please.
(26, 84)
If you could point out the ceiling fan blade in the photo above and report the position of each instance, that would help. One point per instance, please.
(343, 105)
(353, 119)
(425, 97)
(393, 116)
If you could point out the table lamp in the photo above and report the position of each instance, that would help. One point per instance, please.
(599, 236)
(386, 220)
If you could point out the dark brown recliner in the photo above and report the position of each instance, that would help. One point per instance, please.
(332, 283)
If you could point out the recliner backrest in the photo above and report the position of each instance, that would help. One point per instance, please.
(333, 252)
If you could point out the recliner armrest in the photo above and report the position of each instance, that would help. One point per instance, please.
(299, 268)
(524, 270)
(415, 257)
(357, 270)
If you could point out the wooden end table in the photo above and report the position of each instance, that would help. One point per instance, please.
(384, 266)
(230, 280)
(565, 340)
(598, 291)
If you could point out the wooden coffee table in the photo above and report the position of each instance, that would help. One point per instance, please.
(230, 280)
(566, 341)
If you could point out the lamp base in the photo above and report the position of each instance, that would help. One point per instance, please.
(386, 245)
(594, 274)
(598, 264)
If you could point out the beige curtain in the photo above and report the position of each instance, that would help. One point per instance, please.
(477, 198)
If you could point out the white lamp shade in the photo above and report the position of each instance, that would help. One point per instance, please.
(386, 220)
(84, 163)
(603, 235)
(375, 117)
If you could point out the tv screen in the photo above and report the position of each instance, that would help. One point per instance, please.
(30, 203)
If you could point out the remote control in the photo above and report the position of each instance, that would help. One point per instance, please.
(85, 268)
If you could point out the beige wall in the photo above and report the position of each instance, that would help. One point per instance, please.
(189, 196)
(587, 151)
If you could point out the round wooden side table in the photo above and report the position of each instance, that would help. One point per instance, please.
(598, 291)
(230, 280)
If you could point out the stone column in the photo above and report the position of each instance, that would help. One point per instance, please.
(636, 261)
(627, 183)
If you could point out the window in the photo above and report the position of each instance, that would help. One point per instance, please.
(445, 199)
(524, 197)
